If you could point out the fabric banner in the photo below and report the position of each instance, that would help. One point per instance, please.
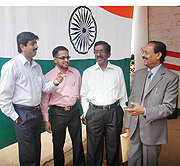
(76, 28)
(172, 62)
(51, 24)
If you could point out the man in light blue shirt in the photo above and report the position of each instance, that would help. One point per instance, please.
(22, 83)
(152, 100)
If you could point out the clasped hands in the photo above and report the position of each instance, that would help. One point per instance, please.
(137, 110)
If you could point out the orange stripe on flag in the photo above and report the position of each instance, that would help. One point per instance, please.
(173, 54)
(172, 67)
(123, 11)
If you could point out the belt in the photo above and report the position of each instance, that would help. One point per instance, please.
(105, 107)
(35, 108)
(68, 108)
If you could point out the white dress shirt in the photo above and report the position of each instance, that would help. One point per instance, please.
(21, 84)
(103, 87)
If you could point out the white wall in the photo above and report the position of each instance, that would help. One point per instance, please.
(140, 34)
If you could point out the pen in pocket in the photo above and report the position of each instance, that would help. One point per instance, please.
(156, 90)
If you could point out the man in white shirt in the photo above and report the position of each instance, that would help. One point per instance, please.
(22, 83)
(103, 95)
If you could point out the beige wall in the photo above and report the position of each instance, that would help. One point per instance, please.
(164, 25)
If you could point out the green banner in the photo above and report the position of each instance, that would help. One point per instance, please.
(7, 132)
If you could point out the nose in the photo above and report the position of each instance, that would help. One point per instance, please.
(66, 59)
(36, 45)
(142, 56)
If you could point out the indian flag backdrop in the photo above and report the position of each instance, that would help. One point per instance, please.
(76, 28)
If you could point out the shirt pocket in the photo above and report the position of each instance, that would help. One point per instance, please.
(74, 88)
(22, 79)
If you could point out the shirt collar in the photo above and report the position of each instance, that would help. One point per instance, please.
(109, 66)
(24, 60)
(154, 70)
(69, 69)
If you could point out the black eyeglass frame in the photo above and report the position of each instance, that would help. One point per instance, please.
(63, 57)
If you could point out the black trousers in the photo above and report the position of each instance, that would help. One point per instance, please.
(28, 133)
(102, 125)
(61, 119)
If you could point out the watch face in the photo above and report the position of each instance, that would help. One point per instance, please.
(82, 29)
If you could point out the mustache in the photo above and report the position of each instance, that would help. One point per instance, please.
(35, 49)
(99, 56)
(144, 58)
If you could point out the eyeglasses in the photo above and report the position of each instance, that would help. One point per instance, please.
(100, 51)
(63, 57)
(144, 51)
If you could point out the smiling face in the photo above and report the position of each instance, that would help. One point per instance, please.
(151, 59)
(62, 60)
(30, 50)
(101, 55)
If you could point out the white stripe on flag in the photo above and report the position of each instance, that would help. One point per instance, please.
(51, 25)
(172, 60)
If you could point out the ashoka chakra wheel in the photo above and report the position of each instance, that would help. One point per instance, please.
(82, 29)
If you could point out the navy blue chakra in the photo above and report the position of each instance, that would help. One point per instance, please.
(82, 29)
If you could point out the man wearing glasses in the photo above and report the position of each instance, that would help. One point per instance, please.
(64, 110)
(152, 99)
(103, 95)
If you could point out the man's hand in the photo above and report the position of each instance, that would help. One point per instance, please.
(16, 121)
(59, 78)
(47, 126)
(137, 110)
(127, 130)
(83, 119)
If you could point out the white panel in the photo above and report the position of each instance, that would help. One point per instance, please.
(51, 25)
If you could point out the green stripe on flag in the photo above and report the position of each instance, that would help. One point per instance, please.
(7, 133)
(81, 65)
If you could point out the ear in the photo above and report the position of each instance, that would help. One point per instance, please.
(159, 54)
(55, 59)
(23, 47)
(108, 55)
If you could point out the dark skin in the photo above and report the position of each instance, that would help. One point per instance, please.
(62, 65)
(101, 57)
(29, 51)
(151, 60)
